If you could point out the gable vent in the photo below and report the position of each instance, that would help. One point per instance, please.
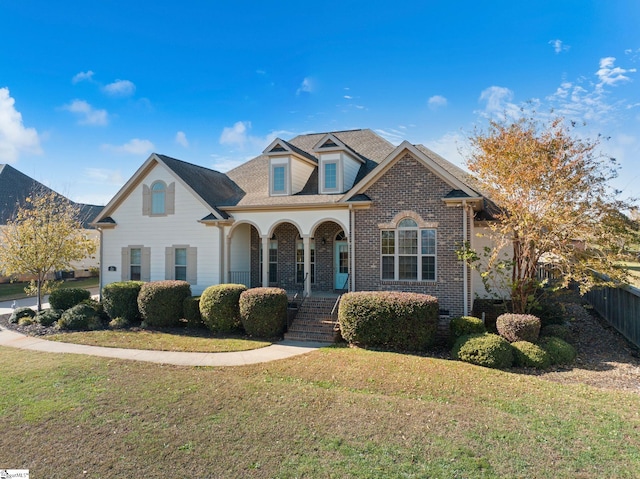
(329, 144)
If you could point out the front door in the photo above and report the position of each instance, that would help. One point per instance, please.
(341, 265)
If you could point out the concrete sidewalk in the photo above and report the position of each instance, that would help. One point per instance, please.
(281, 350)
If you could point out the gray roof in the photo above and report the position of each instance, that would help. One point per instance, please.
(215, 188)
(15, 187)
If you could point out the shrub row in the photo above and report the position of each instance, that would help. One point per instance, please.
(390, 320)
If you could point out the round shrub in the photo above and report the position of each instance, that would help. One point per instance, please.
(263, 311)
(559, 351)
(119, 323)
(463, 325)
(558, 330)
(390, 320)
(518, 327)
(79, 317)
(27, 320)
(488, 350)
(65, 298)
(161, 302)
(48, 316)
(191, 312)
(120, 300)
(530, 355)
(220, 307)
(19, 313)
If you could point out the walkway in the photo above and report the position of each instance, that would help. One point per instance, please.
(281, 350)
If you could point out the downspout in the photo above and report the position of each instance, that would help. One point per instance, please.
(223, 255)
(352, 246)
(465, 268)
(100, 279)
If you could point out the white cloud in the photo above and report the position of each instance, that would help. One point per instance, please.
(306, 86)
(120, 88)
(392, 135)
(559, 46)
(499, 102)
(238, 136)
(14, 137)
(437, 101)
(181, 139)
(82, 76)
(87, 114)
(225, 163)
(102, 175)
(348, 97)
(134, 146)
(448, 146)
(611, 75)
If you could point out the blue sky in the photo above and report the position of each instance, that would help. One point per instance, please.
(89, 89)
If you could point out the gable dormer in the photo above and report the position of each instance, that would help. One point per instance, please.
(289, 168)
(338, 165)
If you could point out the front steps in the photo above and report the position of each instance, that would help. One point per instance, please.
(314, 321)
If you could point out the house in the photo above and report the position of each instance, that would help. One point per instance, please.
(325, 212)
(15, 187)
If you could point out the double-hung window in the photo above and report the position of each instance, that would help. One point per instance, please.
(300, 261)
(408, 253)
(278, 179)
(135, 264)
(180, 263)
(158, 197)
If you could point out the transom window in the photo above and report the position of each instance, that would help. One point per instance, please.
(408, 253)
(158, 195)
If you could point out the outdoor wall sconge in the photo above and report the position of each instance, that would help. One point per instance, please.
(111, 268)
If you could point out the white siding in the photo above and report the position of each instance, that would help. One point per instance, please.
(159, 232)
(300, 173)
(350, 169)
(240, 249)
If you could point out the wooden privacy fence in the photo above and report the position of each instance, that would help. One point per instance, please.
(620, 307)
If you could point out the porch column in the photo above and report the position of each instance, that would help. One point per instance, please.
(306, 242)
(227, 265)
(265, 261)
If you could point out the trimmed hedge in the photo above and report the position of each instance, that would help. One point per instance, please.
(488, 350)
(558, 330)
(118, 323)
(263, 311)
(390, 320)
(559, 351)
(19, 313)
(161, 302)
(80, 317)
(464, 325)
(65, 298)
(220, 307)
(120, 299)
(191, 312)
(530, 355)
(518, 327)
(48, 316)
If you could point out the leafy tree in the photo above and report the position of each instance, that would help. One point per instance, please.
(554, 204)
(46, 235)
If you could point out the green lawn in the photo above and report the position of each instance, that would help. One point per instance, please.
(337, 412)
(11, 291)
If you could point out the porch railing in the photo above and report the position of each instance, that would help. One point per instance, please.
(334, 311)
(296, 303)
(240, 277)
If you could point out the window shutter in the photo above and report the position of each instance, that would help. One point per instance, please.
(126, 266)
(146, 201)
(169, 266)
(170, 199)
(145, 273)
(192, 265)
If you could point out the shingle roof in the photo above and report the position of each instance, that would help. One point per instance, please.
(15, 187)
(215, 188)
(253, 176)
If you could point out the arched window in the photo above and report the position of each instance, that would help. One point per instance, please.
(408, 252)
(158, 197)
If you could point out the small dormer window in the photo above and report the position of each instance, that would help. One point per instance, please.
(330, 175)
(158, 195)
(279, 174)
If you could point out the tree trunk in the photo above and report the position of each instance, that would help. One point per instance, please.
(39, 295)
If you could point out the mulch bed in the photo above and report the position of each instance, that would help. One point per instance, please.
(605, 358)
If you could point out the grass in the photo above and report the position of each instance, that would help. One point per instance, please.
(337, 412)
(11, 291)
(159, 341)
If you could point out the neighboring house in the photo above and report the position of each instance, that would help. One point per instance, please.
(325, 212)
(15, 187)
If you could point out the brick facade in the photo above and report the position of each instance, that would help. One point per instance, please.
(409, 186)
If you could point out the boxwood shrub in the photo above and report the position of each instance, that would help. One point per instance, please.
(390, 320)
(463, 325)
(559, 351)
(530, 355)
(19, 313)
(220, 307)
(80, 317)
(488, 350)
(65, 298)
(191, 312)
(518, 327)
(558, 330)
(263, 311)
(120, 300)
(48, 316)
(161, 302)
